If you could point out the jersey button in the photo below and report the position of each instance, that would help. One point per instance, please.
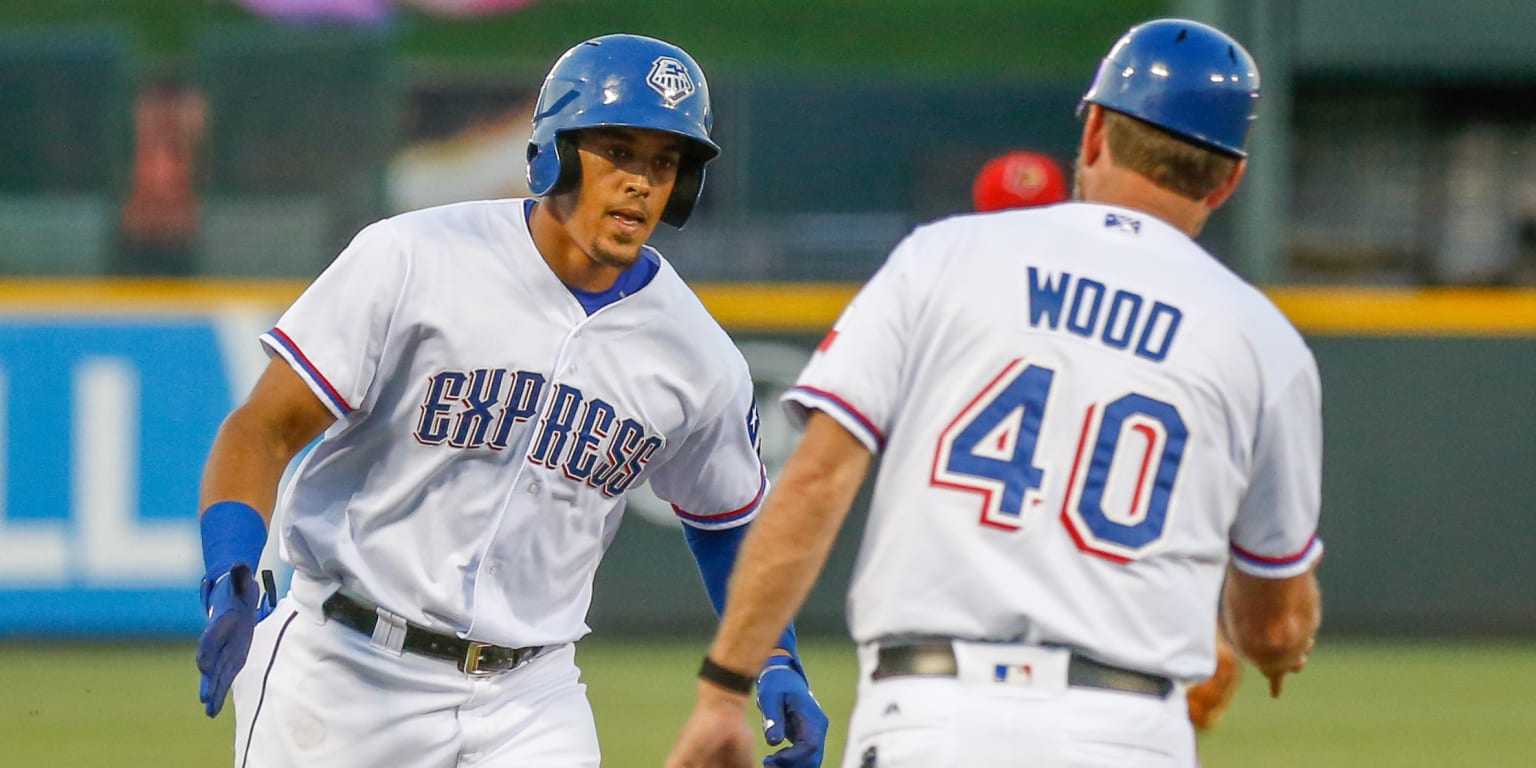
(533, 487)
(494, 569)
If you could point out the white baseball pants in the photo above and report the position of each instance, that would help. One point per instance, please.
(1031, 719)
(316, 693)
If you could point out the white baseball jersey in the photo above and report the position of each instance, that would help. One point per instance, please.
(1081, 414)
(488, 428)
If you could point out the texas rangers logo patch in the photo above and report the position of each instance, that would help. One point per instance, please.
(669, 77)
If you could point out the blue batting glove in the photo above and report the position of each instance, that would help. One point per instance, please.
(790, 712)
(230, 601)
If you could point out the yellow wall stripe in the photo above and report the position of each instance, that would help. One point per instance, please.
(812, 307)
(134, 296)
(768, 307)
(1409, 312)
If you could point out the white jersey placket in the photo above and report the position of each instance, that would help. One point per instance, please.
(527, 486)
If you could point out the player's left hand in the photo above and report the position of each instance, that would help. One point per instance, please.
(1208, 700)
(790, 712)
(231, 603)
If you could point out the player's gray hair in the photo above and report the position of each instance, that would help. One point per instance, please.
(1170, 162)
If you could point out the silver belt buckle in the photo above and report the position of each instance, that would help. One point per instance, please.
(471, 662)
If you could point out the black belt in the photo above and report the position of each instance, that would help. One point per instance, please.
(936, 658)
(473, 657)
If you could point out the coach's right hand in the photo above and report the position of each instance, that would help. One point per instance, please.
(230, 601)
(716, 734)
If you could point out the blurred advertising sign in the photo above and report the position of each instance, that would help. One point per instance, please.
(104, 425)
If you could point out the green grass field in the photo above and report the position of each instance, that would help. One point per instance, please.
(1401, 705)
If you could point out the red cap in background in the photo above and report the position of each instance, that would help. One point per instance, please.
(1018, 180)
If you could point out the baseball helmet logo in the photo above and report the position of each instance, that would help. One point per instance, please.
(669, 77)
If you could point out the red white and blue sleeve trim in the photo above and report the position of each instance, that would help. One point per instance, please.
(1283, 567)
(732, 518)
(855, 422)
(279, 342)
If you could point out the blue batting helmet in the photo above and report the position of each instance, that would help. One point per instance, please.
(622, 81)
(1184, 77)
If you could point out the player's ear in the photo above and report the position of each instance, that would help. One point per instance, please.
(1228, 186)
(1093, 136)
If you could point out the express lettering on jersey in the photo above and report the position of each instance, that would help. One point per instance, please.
(584, 437)
(1120, 319)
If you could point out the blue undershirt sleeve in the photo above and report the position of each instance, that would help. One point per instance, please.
(715, 552)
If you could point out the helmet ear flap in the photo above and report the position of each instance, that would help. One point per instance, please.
(570, 164)
(554, 166)
(685, 191)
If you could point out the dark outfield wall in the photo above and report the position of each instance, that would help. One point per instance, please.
(1430, 472)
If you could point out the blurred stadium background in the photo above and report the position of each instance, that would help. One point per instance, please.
(172, 172)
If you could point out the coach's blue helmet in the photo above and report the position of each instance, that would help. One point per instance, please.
(1185, 77)
(622, 81)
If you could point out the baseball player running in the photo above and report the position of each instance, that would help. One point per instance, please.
(1085, 421)
(490, 379)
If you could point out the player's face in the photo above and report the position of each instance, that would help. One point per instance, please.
(627, 175)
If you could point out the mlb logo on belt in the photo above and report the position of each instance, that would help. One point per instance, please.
(670, 78)
(1014, 674)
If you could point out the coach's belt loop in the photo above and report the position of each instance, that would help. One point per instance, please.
(389, 632)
